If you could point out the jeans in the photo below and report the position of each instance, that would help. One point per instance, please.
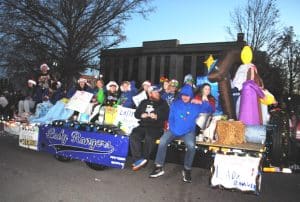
(167, 138)
(149, 135)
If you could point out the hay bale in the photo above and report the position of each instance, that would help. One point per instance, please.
(230, 132)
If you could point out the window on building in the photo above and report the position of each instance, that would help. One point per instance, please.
(187, 65)
(125, 69)
(167, 66)
(148, 68)
(157, 69)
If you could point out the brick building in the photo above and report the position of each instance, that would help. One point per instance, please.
(166, 58)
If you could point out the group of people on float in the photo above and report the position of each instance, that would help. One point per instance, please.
(168, 112)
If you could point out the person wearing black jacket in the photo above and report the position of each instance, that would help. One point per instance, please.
(152, 112)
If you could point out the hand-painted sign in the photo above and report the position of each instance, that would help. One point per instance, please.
(29, 137)
(99, 148)
(236, 172)
(80, 101)
(122, 117)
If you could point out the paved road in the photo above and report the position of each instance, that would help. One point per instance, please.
(27, 175)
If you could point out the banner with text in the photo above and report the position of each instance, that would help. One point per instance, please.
(237, 172)
(98, 148)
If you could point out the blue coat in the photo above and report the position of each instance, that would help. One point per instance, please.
(182, 117)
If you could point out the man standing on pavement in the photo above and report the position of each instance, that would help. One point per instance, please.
(152, 112)
(182, 125)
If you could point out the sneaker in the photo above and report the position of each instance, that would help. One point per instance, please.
(138, 164)
(158, 171)
(186, 174)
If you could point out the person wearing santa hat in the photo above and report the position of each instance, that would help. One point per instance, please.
(142, 93)
(112, 94)
(81, 86)
(45, 78)
(28, 103)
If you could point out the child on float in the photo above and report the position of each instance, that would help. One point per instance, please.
(164, 82)
(203, 94)
(171, 92)
(97, 100)
(127, 92)
(112, 94)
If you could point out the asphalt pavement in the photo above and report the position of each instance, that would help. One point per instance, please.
(27, 175)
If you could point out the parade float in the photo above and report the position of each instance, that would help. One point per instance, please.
(241, 142)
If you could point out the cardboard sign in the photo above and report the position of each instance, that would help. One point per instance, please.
(80, 101)
(29, 137)
(236, 172)
(93, 147)
(125, 119)
(139, 98)
(122, 117)
(110, 115)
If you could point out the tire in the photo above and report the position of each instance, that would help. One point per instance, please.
(95, 166)
(280, 138)
(276, 151)
(62, 158)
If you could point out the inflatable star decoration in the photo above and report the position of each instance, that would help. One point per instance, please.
(210, 60)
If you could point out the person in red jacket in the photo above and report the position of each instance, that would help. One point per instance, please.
(205, 95)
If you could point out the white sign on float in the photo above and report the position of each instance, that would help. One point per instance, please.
(236, 172)
(29, 136)
(139, 98)
(80, 101)
(125, 117)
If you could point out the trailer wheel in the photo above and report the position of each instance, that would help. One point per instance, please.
(276, 151)
(95, 166)
(62, 158)
(280, 138)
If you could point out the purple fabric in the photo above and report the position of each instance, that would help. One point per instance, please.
(249, 107)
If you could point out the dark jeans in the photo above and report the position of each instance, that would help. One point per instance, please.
(149, 135)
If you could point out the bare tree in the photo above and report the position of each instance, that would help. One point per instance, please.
(71, 33)
(285, 54)
(258, 20)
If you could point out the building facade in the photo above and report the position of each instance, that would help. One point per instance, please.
(166, 58)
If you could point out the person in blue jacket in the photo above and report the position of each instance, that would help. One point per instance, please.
(127, 93)
(182, 125)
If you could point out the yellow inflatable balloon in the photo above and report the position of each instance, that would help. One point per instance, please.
(246, 55)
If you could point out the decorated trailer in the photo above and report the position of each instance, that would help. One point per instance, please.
(239, 154)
